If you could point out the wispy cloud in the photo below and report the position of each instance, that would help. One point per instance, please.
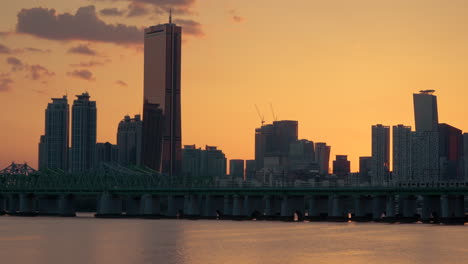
(83, 50)
(235, 16)
(121, 83)
(82, 74)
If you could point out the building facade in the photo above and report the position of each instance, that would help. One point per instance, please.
(236, 168)
(380, 155)
(83, 147)
(425, 111)
(106, 153)
(191, 161)
(162, 134)
(450, 153)
(129, 141)
(341, 166)
(322, 157)
(365, 166)
(402, 143)
(54, 143)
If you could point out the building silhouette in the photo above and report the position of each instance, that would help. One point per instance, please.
(162, 134)
(236, 168)
(106, 153)
(450, 153)
(83, 145)
(264, 143)
(425, 111)
(53, 146)
(380, 155)
(402, 142)
(250, 169)
(365, 165)
(213, 163)
(129, 136)
(322, 157)
(191, 161)
(341, 166)
(465, 156)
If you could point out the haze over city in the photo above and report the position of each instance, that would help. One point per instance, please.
(337, 74)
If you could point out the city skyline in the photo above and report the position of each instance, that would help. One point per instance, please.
(230, 97)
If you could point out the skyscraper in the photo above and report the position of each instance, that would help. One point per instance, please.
(322, 157)
(365, 164)
(213, 163)
(380, 155)
(83, 148)
(402, 136)
(53, 151)
(236, 168)
(162, 134)
(425, 111)
(450, 153)
(129, 137)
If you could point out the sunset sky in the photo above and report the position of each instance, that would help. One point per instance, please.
(336, 66)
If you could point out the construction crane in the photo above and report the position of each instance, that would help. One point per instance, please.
(275, 118)
(262, 118)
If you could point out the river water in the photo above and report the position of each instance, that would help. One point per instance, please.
(84, 239)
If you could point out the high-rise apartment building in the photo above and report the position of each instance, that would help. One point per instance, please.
(236, 168)
(53, 151)
(213, 163)
(106, 153)
(162, 135)
(465, 156)
(380, 155)
(402, 143)
(191, 161)
(250, 170)
(450, 153)
(322, 157)
(83, 147)
(341, 166)
(129, 136)
(365, 166)
(425, 111)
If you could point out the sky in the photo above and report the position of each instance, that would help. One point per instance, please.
(336, 66)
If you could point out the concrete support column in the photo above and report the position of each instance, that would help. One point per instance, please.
(109, 205)
(285, 210)
(390, 213)
(253, 206)
(12, 204)
(409, 207)
(194, 207)
(459, 207)
(208, 211)
(363, 206)
(187, 201)
(150, 206)
(268, 212)
(453, 208)
(337, 208)
(175, 206)
(228, 206)
(379, 206)
(48, 205)
(132, 206)
(236, 206)
(430, 208)
(27, 205)
(2, 205)
(318, 207)
(66, 205)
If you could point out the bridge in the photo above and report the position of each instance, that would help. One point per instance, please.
(142, 193)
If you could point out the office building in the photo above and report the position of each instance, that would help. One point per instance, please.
(425, 111)
(213, 163)
(365, 166)
(322, 157)
(106, 153)
(250, 170)
(341, 166)
(162, 134)
(236, 168)
(450, 153)
(129, 136)
(191, 161)
(380, 155)
(53, 151)
(402, 136)
(83, 145)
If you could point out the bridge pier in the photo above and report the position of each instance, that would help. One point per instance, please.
(253, 207)
(150, 206)
(338, 211)
(237, 207)
(227, 207)
(3, 205)
(408, 209)
(194, 206)
(27, 205)
(132, 206)
(379, 204)
(363, 208)
(208, 211)
(453, 209)
(268, 201)
(430, 208)
(48, 205)
(318, 207)
(109, 206)
(390, 213)
(66, 205)
(175, 206)
(12, 204)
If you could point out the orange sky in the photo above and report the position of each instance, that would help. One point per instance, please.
(336, 66)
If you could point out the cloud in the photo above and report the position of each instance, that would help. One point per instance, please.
(121, 83)
(5, 82)
(15, 63)
(137, 9)
(82, 74)
(111, 12)
(235, 17)
(82, 49)
(5, 50)
(87, 64)
(37, 50)
(37, 72)
(190, 27)
(83, 25)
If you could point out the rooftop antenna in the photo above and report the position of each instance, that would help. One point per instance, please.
(170, 15)
(262, 118)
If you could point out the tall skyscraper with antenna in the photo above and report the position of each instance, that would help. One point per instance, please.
(162, 136)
